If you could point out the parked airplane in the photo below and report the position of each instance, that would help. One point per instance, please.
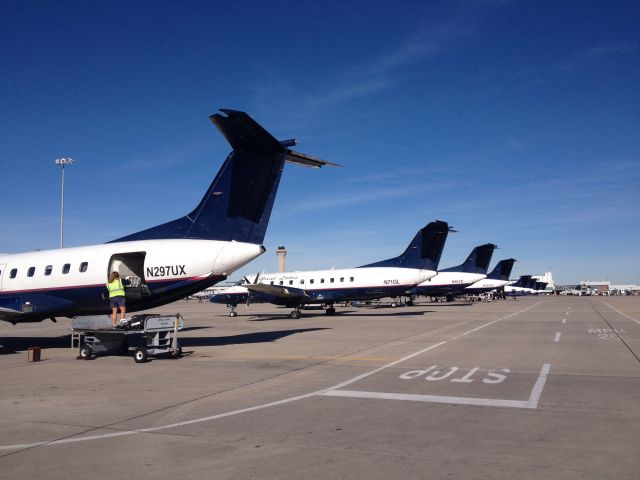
(498, 278)
(327, 287)
(169, 261)
(452, 281)
(539, 288)
(518, 288)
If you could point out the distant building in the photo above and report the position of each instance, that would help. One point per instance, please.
(598, 288)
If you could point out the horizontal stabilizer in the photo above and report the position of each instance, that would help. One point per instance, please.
(307, 160)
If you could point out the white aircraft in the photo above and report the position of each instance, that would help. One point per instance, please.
(169, 261)
(498, 278)
(453, 280)
(519, 287)
(387, 278)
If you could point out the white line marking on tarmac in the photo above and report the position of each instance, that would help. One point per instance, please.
(557, 337)
(249, 409)
(564, 320)
(532, 402)
(622, 313)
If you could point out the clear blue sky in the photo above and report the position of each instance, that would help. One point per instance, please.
(517, 122)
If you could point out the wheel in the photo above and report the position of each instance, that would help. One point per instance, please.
(410, 303)
(330, 311)
(394, 304)
(233, 314)
(85, 352)
(295, 314)
(177, 353)
(124, 348)
(140, 355)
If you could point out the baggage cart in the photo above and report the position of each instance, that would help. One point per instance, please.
(146, 335)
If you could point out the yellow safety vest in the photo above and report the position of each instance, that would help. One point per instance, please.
(115, 288)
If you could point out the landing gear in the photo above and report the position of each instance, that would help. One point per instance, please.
(295, 314)
(330, 310)
(233, 312)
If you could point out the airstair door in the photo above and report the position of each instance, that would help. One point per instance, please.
(2, 268)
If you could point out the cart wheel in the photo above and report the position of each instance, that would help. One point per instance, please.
(85, 352)
(177, 353)
(233, 314)
(124, 348)
(140, 355)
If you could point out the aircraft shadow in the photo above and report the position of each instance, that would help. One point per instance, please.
(9, 345)
(12, 345)
(257, 337)
(264, 317)
(439, 305)
(396, 314)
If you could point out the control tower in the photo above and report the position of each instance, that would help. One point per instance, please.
(281, 252)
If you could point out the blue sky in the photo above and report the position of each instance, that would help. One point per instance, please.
(517, 122)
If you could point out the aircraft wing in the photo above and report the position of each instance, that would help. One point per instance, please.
(277, 291)
(9, 314)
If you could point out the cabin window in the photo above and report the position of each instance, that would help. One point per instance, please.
(66, 267)
(322, 280)
(351, 279)
(302, 282)
(331, 280)
(83, 266)
(290, 282)
(272, 282)
(13, 273)
(48, 269)
(31, 271)
(280, 282)
(311, 281)
(342, 279)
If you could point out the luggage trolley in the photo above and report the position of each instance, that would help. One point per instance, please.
(146, 334)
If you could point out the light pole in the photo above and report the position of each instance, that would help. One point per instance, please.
(62, 162)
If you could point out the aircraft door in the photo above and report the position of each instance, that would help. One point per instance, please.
(2, 268)
(130, 266)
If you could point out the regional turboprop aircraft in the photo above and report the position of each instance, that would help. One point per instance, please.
(327, 287)
(540, 288)
(498, 278)
(169, 261)
(453, 280)
(519, 288)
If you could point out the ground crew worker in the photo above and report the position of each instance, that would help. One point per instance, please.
(116, 297)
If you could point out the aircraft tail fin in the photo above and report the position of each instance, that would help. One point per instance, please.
(238, 203)
(523, 281)
(477, 261)
(502, 270)
(541, 286)
(423, 252)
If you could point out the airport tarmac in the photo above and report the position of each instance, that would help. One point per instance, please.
(539, 387)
